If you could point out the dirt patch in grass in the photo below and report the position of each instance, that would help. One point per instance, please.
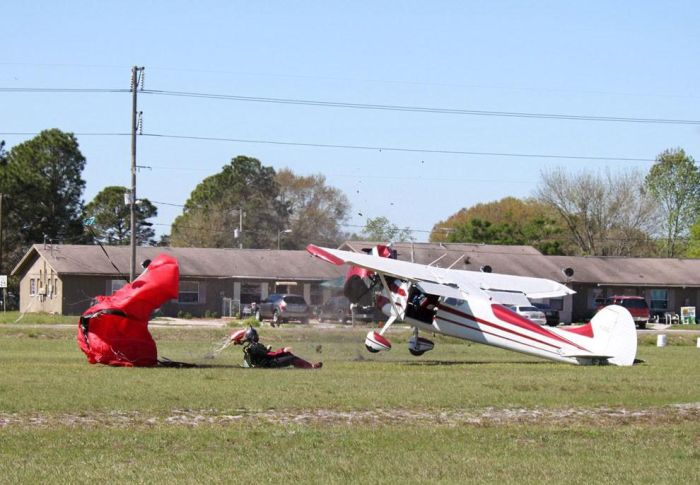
(378, 417)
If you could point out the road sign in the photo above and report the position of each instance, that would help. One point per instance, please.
(3, 281)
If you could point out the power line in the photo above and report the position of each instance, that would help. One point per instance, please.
(63, 90)
(34, 133)
(166, 203)
(421, 109)
(543, 89)
(394, 149)
(378, 148)
(366, 106)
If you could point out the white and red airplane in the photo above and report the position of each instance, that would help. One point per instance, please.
(465, 304)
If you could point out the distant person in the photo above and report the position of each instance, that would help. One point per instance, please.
(256, 354)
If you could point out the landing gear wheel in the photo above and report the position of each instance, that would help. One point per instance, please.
(417, 353)
(374, 351)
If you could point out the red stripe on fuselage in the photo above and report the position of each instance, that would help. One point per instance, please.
(499, 336)
(509, 316)
(494, 325)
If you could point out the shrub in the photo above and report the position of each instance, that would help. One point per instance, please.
(251, 322)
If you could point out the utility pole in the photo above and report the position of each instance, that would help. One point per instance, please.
(4, 290)
(240, 228)
(238, 233)
(136, 80)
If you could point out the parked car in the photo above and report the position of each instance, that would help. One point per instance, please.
(550, 314)
(530, 312)
(338, 309)
(636, 305)
(281, 308)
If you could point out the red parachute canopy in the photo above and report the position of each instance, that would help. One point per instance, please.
(115, 330)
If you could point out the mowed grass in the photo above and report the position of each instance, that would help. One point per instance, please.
(363, 418)
(36, 318)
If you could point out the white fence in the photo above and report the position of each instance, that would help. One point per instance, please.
(230, 307)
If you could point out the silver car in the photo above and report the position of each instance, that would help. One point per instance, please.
(530, 312)
(282, 308)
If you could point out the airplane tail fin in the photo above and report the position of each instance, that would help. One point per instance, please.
(615, 335)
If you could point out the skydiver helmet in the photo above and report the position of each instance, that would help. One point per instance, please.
(251, 335)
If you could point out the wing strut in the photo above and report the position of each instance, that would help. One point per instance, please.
(397, 312)
(375, 341)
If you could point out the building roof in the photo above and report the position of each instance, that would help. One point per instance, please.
(194, 262)
(528, 261)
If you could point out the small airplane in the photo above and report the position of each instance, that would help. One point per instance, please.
(465, 304)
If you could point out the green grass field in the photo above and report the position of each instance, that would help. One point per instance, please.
(462, 413)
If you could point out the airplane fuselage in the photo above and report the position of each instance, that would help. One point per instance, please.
(461, 321)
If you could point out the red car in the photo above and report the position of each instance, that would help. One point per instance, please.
(636, 305)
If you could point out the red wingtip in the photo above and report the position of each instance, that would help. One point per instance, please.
(324, 255)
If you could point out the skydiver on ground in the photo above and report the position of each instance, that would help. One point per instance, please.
(255, 354)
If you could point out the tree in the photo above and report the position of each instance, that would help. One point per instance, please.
(674, 181)
(317, 210)
(42, 182)
(506, 221)
(112, 217)
(212, 212)
(693, 249)
(605, 214)
(380, 229)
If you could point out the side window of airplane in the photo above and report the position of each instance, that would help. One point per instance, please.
(454, 302)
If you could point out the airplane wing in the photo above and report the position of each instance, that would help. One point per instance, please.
(471, 282)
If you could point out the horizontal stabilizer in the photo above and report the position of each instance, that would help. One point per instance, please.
(583, 355)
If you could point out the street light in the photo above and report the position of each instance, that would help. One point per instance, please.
(279, 236)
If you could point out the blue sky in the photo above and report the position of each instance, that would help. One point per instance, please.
(599, 58)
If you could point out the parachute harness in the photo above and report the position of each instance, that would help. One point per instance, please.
(85, 320)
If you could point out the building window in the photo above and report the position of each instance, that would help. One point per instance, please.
(189, 292)
(114, 285)
(596, 298)
(316, 294)
(556, 304)
(250, 292)
(32, 286)
(659, 299)
(290, 287)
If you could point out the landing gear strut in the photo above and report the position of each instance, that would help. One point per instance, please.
(418, 345)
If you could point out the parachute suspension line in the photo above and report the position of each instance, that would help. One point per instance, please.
(123, 276)
(26, 310)
(219, 347)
